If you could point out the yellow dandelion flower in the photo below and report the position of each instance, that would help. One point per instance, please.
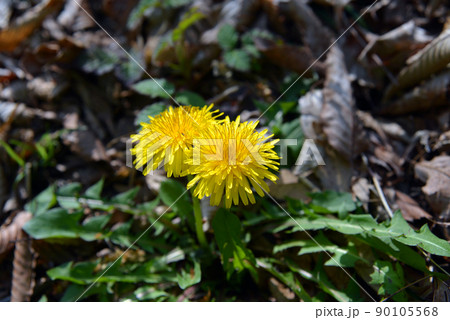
(168, 137)
(229, 159)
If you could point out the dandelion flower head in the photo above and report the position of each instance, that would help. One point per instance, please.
(168, 136)
(229, 159)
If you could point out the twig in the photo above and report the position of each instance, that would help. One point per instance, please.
(382, 197)
(406, 287)
(434, 262)
(378, 188)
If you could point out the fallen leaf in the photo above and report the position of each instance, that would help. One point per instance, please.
(397, 44)
(436, 175)
(338, 117)
(289, 186)
(409, 207)
(433, 58)
(314, 34)
(19, 30)
(85, 144)
(294, 58)
(432, 93)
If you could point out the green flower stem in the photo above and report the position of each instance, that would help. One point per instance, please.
(198, 218)
(199, 222)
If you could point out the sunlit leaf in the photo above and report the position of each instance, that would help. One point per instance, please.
(155, 88)
(42, 202)
(190, 98)
(227, 37)
(237, 59)
(235, 256)
(187, 279)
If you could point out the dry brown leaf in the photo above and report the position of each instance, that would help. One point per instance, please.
(436, 175)
(85, 144)
(403, 39)
(6, 75)
(297, 59)
(23, 269)
(23, 114)
(386, 154)
(5, 13)
(62, 51)
(18, 31)
(338, 116)
(337, 173)
(441, 292)
(409, 207)
(74, 18)
(4, 190)
(276, 19)
(433, 93)
(361, 190)
(443, 142)
(96, 108)
(310, 107)
(427, 62)
(315, 35)
(289, 186)
(10, 234)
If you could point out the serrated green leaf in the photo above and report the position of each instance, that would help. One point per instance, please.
(56, 223)
(187, 279)
(92, 227)
(319, 276)
(249, 37)
(227, 231)
(129, 71)
(147, 207)
(342, 256)
(155, 88)
(138, 12)
(288, 245)
(148, 293)
(332, 201)
(83, 273)
(42, 202)
(287, 278)
(189, 98)
(188, 20)
(126, 197)
(69, 202)
(67, 196)
(150, 111)
(237, 59)
(69, 190)
(398, 230)
(395, 249)
(95, 191)
(429, 242)
(389, 279)
(253, 51)
(121, 235)
(227, 37)
(74, 291)
(98, 61)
